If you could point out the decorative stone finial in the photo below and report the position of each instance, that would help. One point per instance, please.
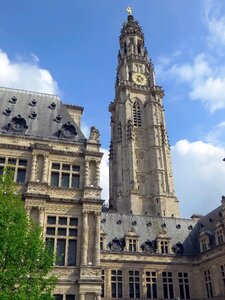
(94, 134)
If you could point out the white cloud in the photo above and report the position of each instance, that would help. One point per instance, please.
(215, 21)
(199, 174)
(216, 135)
(206, 81)
(26, 74)
(104, 178)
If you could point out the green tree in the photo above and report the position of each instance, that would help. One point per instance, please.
(25, 261)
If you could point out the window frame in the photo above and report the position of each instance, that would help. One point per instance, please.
(117, 282)
(151, 284)
(71, 171)
(17, 166)
(54, 239)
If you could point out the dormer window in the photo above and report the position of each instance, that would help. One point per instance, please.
(204, 244)
(102, 239)
(163, 242)
(132, 241)
(219, 234)
(205, 240)
(132, 245)
(164, 247)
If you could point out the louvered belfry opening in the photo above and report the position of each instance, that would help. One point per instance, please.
(136, 114)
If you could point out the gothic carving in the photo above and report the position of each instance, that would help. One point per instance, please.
(119, 132)
(92, 193)
(88, 272)
(129, 130)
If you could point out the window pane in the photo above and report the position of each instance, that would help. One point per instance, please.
(72, 253)
(1, 170)
(2, 160)
(55, 166)
(65, 180)
(76, 168)
(137, 289)
(113, 289)
(61, 245)
(66, 167)
(61, 231)
(11, 161)
(62, 220)
(73, 222)
(51, 220)
(21, 175)
(58, 297)
(75, 181)
(73, 232)
(50, 231)
(120, 290)
(70, 297)
(131, 290)
(22, 162)
(154, 288)
(55, 179)
(50, 243)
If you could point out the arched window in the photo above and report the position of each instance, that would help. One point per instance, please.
(136, 114)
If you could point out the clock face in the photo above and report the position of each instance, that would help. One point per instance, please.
(139, 78)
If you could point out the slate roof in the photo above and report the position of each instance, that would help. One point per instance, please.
(44, 114)
(182, 231)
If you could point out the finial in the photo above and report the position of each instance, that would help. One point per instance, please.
(129, 10)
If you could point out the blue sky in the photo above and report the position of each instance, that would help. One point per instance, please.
(70, 48)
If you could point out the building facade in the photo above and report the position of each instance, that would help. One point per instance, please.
(139, 247)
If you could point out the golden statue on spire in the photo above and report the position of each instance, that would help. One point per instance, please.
(129, 10)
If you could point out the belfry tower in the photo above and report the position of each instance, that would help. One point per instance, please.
(141, 180)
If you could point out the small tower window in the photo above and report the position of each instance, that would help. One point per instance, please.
(136, 114)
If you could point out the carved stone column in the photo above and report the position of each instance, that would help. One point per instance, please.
(34, 167)
(81, 296)
(84, 240)
(97, 240)
(86, 174)
(98, 297)
(41, 210)
(45, 168)
(98, 174)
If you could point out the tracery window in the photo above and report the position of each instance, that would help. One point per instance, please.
(136, 114)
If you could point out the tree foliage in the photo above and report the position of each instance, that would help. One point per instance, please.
(25, 261)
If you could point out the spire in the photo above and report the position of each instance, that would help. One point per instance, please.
(131, 27)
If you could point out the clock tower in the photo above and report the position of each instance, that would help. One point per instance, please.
(141, 180)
